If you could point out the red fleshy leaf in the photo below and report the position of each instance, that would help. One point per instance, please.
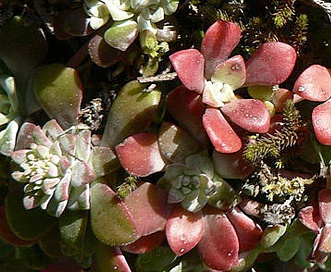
(219, 245)
(325, 239)
(139, 154)
(324, 204)
(221, 134)
(250, 114)
(248, 232)
(322, 122)
(189, 65)
(149, 207)
(310, 218)
(219, 41)
(314, 83)
(63, 265)
(271, 64)
(184, 230)
(187, 108)
(145, 243)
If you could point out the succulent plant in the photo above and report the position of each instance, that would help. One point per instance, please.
(215, 77)
(129, 19)
(9, 114)
(57, 166)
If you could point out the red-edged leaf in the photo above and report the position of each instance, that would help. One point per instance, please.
(233, 165)
(219, 41)
(109, 259)
(101, 53)
(322, 122)
(187, 108)
(324, 204)
(314, 83)
(325, 239)
(184, 230)
(310, 218)
(221, 134)
(7, 234)
(271, 64)
(219, 245)
(140, 155)
(189, 65)
(248, 232)
(250, 114)
(145, 243)
(149, 207)
(232, 72)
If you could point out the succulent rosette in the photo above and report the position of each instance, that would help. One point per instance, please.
(130, 18)
(214, 78)
(57, 166)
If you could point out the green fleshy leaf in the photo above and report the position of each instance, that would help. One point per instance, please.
(59, 91)
(103, 161)
(271, 235)
(72, 225)
(199, 164)
(289, 249)
(131, 112)
(121, 34)
(25, 224)
(156, 260)
(8, 138)
(176, 144)
(111, 221)
(224, 197)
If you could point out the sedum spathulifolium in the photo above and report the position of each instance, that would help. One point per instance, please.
(57, 166)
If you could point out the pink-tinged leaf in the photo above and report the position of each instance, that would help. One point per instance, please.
(184, 230)
(187, 108)
(140, 155)
(101, 53)
(271, 64)
(175, 143)
(324, 204)
(81, 174)
(111, 221)
(314, 83)
(249, 233)
(145, 243)
(219, 245)
(322, 122)
(233, 165)
(19, 156)
(30, 133)
(250, 114)
(109, 259)
(310, 218)
(325, 239)
(148, 204)
(52, 130)
(221, 134)
(219, 41)
(189, 65)
(231, 71)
